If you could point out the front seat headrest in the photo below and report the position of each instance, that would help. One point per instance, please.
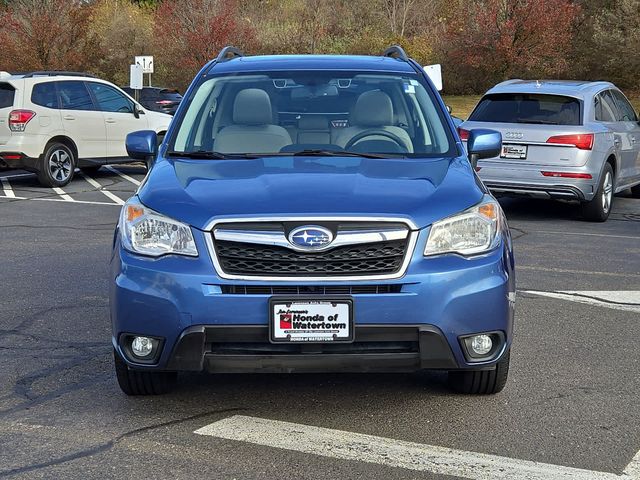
(373, 109)
(252, 106)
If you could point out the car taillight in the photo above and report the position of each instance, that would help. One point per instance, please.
(164, 102)
(582, 176)
(583, 141)
(464, 134)
(18, 119)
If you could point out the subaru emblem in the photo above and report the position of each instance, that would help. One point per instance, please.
(310, 237)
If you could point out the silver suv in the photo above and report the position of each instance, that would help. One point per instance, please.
(561, 139)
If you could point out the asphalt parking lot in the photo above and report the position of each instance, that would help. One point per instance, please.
(571, 408)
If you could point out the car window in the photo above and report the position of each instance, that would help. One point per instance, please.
(291, 111)
(45, 95)
(606, 110)
(7, 92)
(74, 96)
(626, 113)
(528, 108)
(109, 99)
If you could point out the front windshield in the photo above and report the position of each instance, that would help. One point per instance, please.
(269, 113)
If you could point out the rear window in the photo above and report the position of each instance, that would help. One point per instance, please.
(7, 92)
(45, 95)
(528, 108)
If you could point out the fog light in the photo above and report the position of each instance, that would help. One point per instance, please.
(142, 346)
(481, 344)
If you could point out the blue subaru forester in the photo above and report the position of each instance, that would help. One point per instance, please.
(307, 214)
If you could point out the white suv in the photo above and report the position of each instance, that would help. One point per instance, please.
(53, 122)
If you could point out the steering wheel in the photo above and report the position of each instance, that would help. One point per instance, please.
(375, 132)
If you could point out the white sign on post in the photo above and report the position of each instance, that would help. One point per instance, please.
(135, 77)
(146, 62)
(434, 72)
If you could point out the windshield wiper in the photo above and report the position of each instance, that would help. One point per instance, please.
(211, 155)
(341, 153)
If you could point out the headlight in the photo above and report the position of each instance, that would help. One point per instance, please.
(471, 232)
(150, 233)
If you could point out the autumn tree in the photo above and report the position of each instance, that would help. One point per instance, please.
(46, 34)
(189, 33)
(500, 39)
(122, 30)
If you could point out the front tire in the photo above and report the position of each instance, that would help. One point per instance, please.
(57, 165)
(136, 382)
(481, 382)
(598, 209)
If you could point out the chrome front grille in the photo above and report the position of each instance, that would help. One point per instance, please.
(360, 249)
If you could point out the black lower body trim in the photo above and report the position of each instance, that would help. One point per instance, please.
(379, 348)
(558, 192)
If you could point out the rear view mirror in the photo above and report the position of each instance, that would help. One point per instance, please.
(142, 145)
(483, 143)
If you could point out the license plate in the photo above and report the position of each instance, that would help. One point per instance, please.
(309, 320)
(514, 151)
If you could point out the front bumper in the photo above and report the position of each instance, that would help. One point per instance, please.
(386, 348)
(415, 325)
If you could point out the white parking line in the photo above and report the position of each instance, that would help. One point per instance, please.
(123, 175)
(79, 202)
(6, 187)
(633, 469)
(100, 188)
(396, 453)
(626, 300)
(63, 194)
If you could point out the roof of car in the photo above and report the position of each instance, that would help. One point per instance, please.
(312, 62)
(573, 88)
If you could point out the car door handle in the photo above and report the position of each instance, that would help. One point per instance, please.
(110, 120)
(69, 117)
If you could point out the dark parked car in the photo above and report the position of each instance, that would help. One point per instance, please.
(165, 100)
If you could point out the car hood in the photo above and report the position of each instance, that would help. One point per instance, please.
(198, 191)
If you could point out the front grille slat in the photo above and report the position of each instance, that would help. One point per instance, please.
(310, 289)
(365, 259)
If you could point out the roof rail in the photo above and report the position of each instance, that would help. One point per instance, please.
(396, 51)
(56, 73)
(227, 53)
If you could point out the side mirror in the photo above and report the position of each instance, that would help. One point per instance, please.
(142, 145)
(483, 143)
(137, 111)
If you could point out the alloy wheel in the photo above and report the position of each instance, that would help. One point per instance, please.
(607, 191)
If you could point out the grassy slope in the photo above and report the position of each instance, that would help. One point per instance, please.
(461, 105)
